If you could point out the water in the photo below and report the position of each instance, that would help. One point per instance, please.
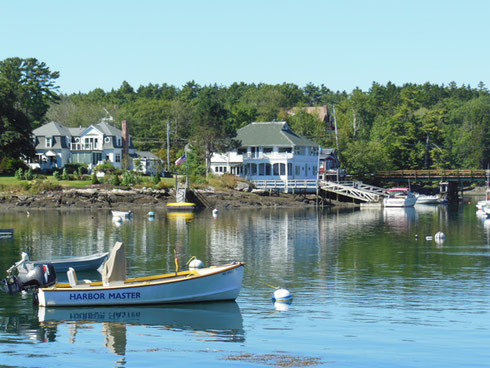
(367, 291)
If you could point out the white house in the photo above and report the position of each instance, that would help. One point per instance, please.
(269, 150)
(57, 145)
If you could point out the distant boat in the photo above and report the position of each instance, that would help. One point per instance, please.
(6, 233)
(399, 197)
(122, 214)
(430, 199)
(485, 202)
(83, 263)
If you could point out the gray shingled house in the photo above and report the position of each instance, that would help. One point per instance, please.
(57, 145)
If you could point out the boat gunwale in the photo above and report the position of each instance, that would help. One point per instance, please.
(144, 281)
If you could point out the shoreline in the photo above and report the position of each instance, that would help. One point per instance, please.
(95, 198)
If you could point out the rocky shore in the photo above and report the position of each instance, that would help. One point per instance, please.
(148, 198)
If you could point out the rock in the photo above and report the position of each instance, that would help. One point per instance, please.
(243, 187)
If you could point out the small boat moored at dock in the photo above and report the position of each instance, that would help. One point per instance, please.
(399, 197)
(6, 233)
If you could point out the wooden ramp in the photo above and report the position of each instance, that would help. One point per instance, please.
(354, 189)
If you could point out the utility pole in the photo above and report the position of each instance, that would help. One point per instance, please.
(336, 140)
(168, 145)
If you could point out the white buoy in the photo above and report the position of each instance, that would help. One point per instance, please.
(440, 236)
(196, 264)
(282, 295)
(215, 213)
(151, 214)
(428, 237)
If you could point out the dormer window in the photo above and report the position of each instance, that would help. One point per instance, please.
(49, 142)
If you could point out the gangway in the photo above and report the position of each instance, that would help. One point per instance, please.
(355, 189)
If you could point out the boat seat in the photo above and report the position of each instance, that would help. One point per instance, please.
(73, 280)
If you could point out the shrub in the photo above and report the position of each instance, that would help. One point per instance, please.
(11, 165)
(29, 175)
(19, 174)
(57, 175)
(76, 168)
(106, 168)
(156, 179)
(94, 179)
(115, 180)
(64, 175)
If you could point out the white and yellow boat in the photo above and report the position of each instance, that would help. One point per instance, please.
(195, 285)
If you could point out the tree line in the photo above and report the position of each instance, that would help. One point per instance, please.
(413, 126)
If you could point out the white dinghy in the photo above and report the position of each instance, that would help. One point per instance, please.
(195, 285)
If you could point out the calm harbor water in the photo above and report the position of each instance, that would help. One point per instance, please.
(367, 291)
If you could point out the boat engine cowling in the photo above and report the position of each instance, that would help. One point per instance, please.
(38, 277)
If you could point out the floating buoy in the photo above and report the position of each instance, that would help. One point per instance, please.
(440, 235)
(151, 214)
(416, 236)
(196, 264)
(215, 213)
(428, 237)
(282, 295)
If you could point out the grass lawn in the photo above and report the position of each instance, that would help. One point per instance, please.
(8, 182)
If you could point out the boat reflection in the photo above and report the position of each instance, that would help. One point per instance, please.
(219, 321)
(399, 218)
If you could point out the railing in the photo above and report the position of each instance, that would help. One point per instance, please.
(262, 155)
(427, 174)
(85, 147)
(282, 184)
(354, 189)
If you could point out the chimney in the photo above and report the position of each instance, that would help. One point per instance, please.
(125, 137)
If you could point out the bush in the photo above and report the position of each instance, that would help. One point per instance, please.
(106, 168)
(115, 180)
(156, 179)
(19, 174)
(76, 168)
(11, 165)
(94, 179)
(130, 178)
(57, 175)
(29, 175)
(64, 175)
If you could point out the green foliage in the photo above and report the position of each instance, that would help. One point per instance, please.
(19, 174)
(64, 175)
(57, 175)
(76, 168)
(156, 179)
(115, 180)
(94, 179)
(29, 175)
(106, 168)
(130, 178)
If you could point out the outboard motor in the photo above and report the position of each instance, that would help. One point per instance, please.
(37, 277)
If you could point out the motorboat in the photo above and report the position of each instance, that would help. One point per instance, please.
(430, 199)
(485, 202)
(399, 197)
(214, 283)
(83, 263)
(123, 215)
(6, 233)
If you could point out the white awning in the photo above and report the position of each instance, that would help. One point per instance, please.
(50, 154)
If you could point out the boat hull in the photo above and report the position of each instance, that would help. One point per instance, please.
(210, 284)
(400, 202)
(92, 262)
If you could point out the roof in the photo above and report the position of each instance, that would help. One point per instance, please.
(147, 154)
(52, 129)
(271, 134)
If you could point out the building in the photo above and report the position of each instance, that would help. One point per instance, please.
(269, 150)
(57, 145)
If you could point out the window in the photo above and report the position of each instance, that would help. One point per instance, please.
(267, 149)
(275, 169)
(285, 150)
(283, 169)
(253, 168)
(290, 169)
(297, 170)
(118, 157)
(267, 169)
(49, 142)
(313, 151)
(299, 150)
(241, 151)
(261, 169)
(314, 170)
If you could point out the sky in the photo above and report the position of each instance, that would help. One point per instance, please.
(342, 44)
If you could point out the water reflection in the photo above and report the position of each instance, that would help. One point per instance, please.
(218, 321)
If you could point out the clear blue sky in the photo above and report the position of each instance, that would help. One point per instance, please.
(342, 44)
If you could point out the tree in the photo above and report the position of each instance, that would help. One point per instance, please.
(212, 131)
(26, 89)
(32, 85)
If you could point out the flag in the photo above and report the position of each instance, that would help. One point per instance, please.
(180, 160)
